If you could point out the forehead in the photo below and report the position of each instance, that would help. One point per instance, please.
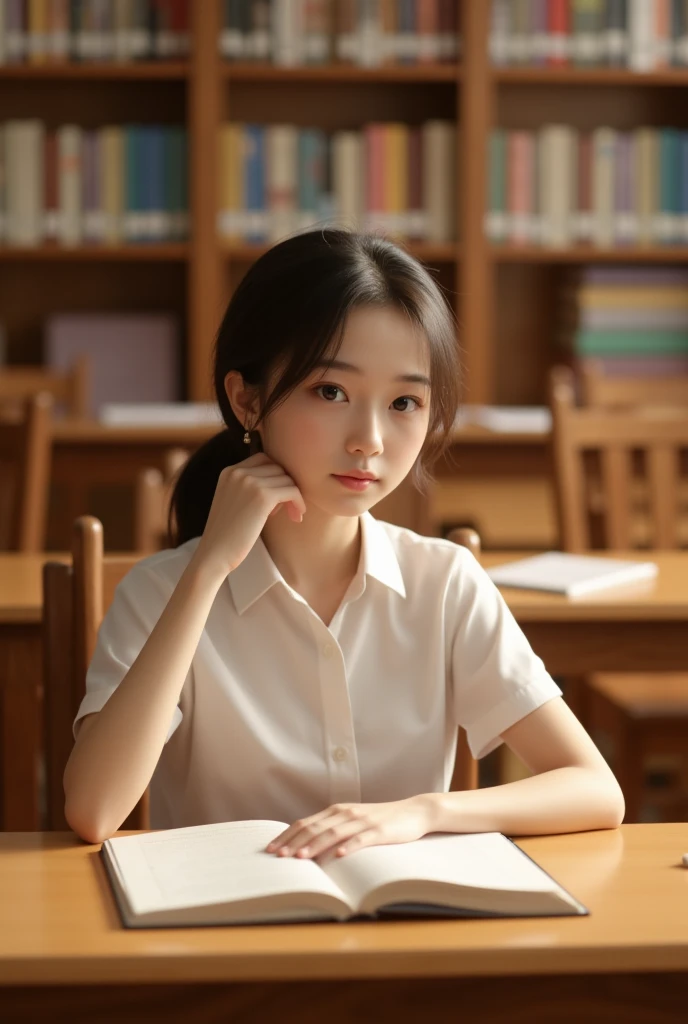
(384, 337)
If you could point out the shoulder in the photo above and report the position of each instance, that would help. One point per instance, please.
(159, 572)
(429, 556)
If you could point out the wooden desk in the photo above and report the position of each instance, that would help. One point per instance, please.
(631, 628)
(64, 951)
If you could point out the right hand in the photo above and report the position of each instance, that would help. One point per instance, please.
(246, 495)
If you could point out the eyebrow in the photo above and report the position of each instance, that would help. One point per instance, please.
(337, 364)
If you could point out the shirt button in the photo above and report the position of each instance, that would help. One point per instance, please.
(339, 753)
(328, 650)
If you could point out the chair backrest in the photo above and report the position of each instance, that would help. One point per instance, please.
(25, 447)
(465, 766)
(69, 388)
(152, 502)
(618, 448)
(599, 389)
(75, 598)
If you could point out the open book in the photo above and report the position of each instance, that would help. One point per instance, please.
(571, 575)
(221, 874)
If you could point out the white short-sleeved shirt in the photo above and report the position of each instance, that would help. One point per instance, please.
(281, 716)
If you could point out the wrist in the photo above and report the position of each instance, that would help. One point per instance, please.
(204, 574)
(430, 805)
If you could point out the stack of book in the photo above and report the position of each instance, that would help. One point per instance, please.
(557, 187)
(47, 31)
(633, 320)
(643, 35)
(114, 185)
(364, 32)
(391, 177)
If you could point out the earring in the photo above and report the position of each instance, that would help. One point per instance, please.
(247, 437)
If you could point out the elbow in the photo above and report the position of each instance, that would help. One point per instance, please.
(86, 827)
(614, 805)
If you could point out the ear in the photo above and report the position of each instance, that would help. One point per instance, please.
(243, 399)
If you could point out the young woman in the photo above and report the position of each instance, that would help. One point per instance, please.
(292, 657)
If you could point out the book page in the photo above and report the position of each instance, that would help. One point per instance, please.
(211, 864)
(486, 860)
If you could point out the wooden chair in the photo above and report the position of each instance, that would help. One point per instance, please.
(25, 447)
(152, 501)
(643, 714)
(75, 598)
(69, 389)
(465, 766)
(600, 390)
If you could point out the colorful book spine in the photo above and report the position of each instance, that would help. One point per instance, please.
(642, 35)
(389, 177)
(607, 188)
(106, 186)
(368, 33)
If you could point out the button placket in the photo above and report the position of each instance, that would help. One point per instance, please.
(340, 747)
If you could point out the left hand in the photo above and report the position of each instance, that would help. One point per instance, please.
(345, 828)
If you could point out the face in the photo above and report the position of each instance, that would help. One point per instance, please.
(360, 417)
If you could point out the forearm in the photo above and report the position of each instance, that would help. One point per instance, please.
(562, 800)
(112, 762)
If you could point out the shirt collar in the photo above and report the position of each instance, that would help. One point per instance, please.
(257, 573)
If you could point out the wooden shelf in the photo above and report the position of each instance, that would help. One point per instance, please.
(95, 70)
(589, 254)
(413, 74)
(428, 252)
(588, 76)
(135, 253)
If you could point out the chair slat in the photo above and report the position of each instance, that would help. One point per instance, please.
(663, 471)
(616, 480)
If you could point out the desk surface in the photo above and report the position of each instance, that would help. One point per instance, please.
(665, 598)
(59, 923)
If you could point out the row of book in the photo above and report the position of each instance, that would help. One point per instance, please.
(632, 320)
(642, 35)
(557, 187)
(113, 185)
(46, 31)
(363, 32)
(397, 178)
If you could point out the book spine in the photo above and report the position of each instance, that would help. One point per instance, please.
(254, 169)
(656, 341)
(496, 220)
(641, 35)
(439, 187)
(559, 32)
(615, 33)
(348, 178)
(604, 148)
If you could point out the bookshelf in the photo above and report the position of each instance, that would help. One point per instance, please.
(504, 298)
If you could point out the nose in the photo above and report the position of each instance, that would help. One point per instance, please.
(365, 435)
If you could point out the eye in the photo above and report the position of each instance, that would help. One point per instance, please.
(407, 398)
(327, 387)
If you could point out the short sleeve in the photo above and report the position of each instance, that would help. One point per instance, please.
(497, 678)
(137, 604)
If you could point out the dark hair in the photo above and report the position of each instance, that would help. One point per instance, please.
(290, 309)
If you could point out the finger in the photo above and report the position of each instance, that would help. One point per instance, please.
(333, 838)
(369, 837)
(298, 827)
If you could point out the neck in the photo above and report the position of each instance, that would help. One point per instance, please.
(318, 552)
